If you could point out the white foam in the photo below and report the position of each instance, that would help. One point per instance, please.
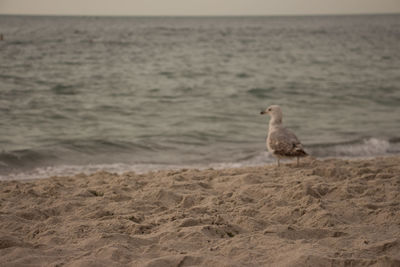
(119, 168)
(369, 147)
(68, 170)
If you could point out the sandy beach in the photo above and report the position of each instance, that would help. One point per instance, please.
(331, 212)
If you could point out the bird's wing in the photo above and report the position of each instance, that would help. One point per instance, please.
(286, 143)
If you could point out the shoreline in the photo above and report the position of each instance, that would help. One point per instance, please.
(143, 168)
(330, 211)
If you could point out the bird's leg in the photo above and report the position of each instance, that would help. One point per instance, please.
(297, 161)
(278, 162)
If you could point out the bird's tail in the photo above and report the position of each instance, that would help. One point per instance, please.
(301, 153)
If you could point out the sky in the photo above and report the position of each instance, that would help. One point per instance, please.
(197, 7)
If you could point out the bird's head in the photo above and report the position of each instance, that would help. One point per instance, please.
(274, 112)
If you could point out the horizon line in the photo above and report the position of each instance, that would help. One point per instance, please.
(210, 16)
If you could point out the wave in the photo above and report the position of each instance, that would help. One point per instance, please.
(73, 152)
(119, 168)
(63, 89)
(364, 148)
(23, 160)
(68, 170)
(92, 156)
(368, 147)
(261, 92)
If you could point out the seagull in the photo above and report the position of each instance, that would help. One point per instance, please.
(281, 142)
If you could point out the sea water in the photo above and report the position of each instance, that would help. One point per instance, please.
(80, 94)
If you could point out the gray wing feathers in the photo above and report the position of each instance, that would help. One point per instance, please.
(285, 143)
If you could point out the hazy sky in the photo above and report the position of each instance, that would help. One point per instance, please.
(197, 7)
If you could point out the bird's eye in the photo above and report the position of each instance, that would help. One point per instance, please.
(269, 109)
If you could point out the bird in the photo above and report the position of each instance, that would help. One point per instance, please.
(281, 142)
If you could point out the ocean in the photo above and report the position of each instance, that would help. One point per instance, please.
(82, 94)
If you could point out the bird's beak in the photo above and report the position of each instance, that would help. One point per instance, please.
(262, 112)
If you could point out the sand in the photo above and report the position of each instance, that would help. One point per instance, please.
(324, 213)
